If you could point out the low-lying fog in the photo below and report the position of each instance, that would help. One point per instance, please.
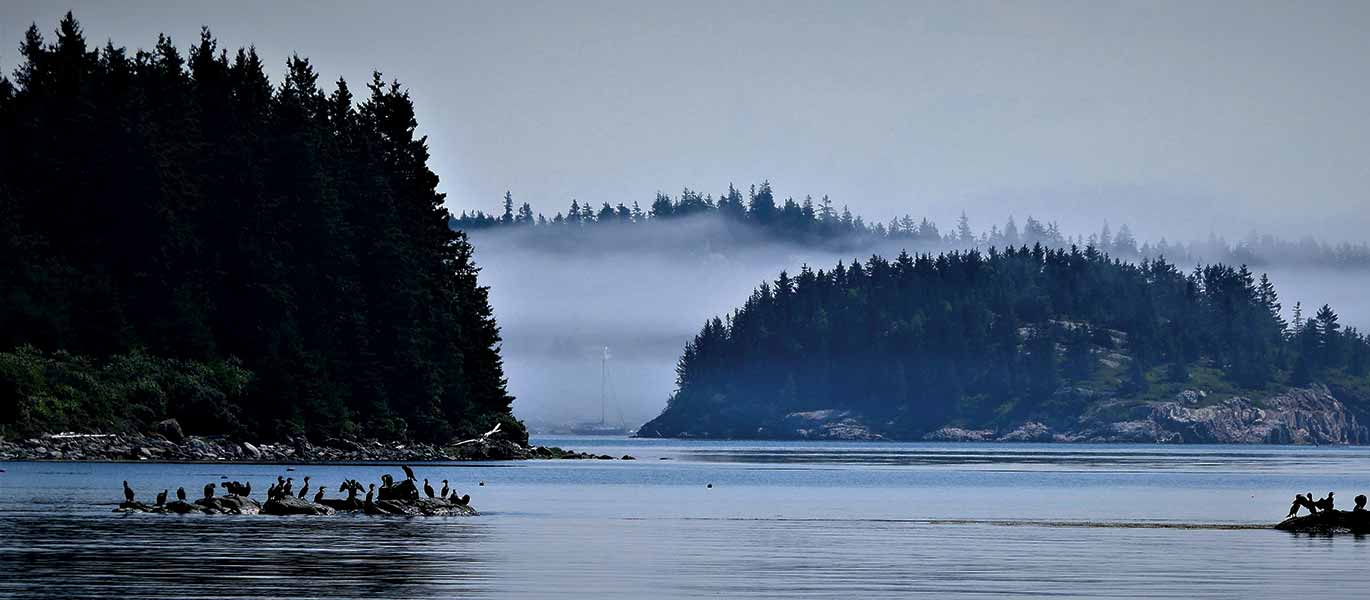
(644, 291)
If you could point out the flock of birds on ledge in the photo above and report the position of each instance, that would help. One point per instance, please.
(284, 487)
(1325, 504)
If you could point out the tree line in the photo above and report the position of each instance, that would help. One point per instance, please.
(810, 221)
(183, 205)
(995, 338)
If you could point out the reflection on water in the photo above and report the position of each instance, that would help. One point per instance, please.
(158, 555)
(781, 520)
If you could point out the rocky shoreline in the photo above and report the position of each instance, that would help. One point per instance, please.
(1311, 415)
(170, 446)
(1304, 416)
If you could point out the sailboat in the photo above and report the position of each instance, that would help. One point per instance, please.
(603, 427)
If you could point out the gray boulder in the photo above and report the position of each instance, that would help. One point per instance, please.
(957, 434)
(290, 505)
(171, 430)
(1031, 431)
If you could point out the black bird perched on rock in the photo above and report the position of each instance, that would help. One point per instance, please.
(444, 489)
(128, 492)
(247, 489)
(387, 480)
(408, 472)
(209, 490)
(1325, 503)
(463, 500)
(370, 493)
(289, 483)
(304, 490)
(318, 496)
(161, 498)
(181, 494)
(427, 489)
(272, 492)
(1360, 503)
(1299, 500)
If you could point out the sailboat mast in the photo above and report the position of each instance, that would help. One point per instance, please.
(603, 379)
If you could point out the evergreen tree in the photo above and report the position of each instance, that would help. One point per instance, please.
(181, 205)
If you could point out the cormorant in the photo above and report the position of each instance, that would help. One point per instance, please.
(444, 489)
(271, 492)
(408, 472)
(209, 490)
(1294, 508)
(1360, 503)
(464, 500)
(128, 492)
(305, 489)
(181, 494)
(289, 483)
(1325, 503)
(427, 489)
(161, 498)
(247, 489)
(370, 493)
(342, 487)
(318, 496)
(387, 480)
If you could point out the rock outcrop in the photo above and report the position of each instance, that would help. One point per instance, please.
(825, 425)
(293, 506)
(290, 505)
(958, 434)
(217, 505)
(1308, 415)
(1329, 521)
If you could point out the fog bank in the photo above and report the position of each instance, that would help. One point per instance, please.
(644, 291)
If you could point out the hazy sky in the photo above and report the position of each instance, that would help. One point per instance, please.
(1177, 118)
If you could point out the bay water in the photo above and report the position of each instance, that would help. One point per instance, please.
(729, 519)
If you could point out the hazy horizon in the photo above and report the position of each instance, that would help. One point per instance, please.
(1180, 120)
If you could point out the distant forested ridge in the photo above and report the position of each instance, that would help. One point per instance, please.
(997, 338)
(283, 245)
(811, 221)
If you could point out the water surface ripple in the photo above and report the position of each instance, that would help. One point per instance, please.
(782, 520)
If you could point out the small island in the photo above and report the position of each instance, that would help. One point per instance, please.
(1025, 344)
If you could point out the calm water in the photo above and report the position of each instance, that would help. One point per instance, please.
(783, 520)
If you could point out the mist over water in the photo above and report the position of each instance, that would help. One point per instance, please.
(644, 291)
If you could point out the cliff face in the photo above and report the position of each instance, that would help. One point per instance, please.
(1308, 415)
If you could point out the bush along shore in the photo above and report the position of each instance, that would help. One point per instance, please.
(173, 447)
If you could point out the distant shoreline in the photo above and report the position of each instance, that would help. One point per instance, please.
(152, 448)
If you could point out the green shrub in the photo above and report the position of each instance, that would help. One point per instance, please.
(43, 393)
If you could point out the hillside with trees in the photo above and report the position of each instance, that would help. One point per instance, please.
(179, 235)
(990, 340)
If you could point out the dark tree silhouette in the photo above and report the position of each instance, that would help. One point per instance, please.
(182, 205)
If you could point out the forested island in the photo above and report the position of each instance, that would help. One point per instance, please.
(1022, 344)
(180, 237)
(761, 217)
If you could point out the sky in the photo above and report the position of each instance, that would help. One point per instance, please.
(1179, 119)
